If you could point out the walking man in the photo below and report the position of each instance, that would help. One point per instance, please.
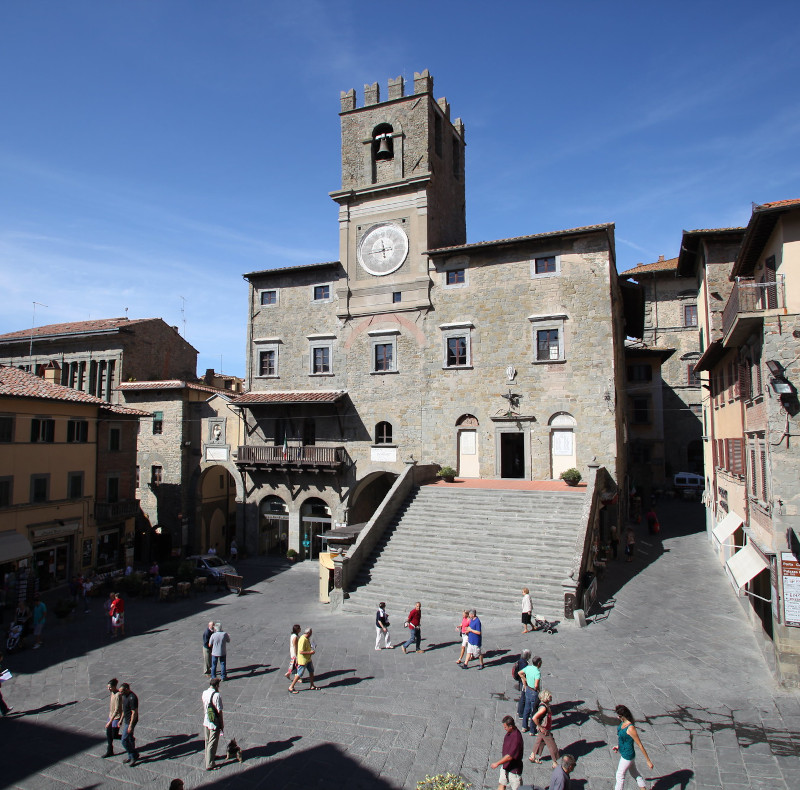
(130, 718)
(531, 677)
(474, 640)
(213, 724)
(510, 764)
(414, 627)
(559, 779)
(382, 627)
(522, 662)
(207, 649)
(305, 666)
(114, 716)
(218, 642)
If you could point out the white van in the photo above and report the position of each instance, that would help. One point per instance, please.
(688, 485)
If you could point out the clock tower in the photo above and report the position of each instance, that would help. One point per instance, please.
(402, 194)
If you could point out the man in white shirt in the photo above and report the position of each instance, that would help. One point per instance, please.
(212, 704)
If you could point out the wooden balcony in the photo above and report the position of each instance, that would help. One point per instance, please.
(309, 458)
(746, 306)
(105, 512)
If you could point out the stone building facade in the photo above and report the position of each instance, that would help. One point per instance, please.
(95, 356)
(749, 289)
(670, 322)
(503, 359)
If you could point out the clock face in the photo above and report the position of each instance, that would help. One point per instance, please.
(383, 248)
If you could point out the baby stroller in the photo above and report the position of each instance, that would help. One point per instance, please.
(14, 640)
(540, 624)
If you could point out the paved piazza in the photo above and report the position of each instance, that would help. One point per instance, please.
(672, 646)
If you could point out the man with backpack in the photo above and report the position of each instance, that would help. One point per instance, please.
(212, 721)
(130, 718)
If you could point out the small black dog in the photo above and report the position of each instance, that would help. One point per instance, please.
(234, 750)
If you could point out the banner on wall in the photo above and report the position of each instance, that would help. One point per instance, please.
(791, 589)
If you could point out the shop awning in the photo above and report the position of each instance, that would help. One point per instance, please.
(14, 546)
(744, 565)
(727, 526)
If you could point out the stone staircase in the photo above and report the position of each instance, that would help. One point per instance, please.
(455, 548)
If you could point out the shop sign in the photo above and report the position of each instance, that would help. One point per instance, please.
(791, 589)
(53, 532)
(216, 453)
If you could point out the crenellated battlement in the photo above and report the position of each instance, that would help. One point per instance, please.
(423, 83)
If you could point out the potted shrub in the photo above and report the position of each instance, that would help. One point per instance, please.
(447, 473)
(291, 555)
(446, 781)
(571, 476)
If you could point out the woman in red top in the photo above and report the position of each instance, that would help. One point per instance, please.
(415, 635)
(117, 612)
(463, 629)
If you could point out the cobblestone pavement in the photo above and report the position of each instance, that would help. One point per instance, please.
(671, 644)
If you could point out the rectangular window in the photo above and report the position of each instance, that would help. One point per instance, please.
(690, 315)
(545, 265)
(6, 428)
(397, 297)
(114, 438)
(40, 488)
(384, 357)
(692, 378)
(156, 475)
(268, 363)
(752, 470)
(137, 476)
(321, 359)
(158, 422)
(77, 431)
(43, 429)
(269, 297)
(547, 345)
(456, 351)
(6, 490)
(455, 277)
(640, 373)
(764, 489)
(74, 485)
(641, 411)
(322, 293)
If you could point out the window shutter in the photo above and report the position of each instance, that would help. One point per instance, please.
(764, 491)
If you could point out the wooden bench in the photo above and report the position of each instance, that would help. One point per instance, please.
(183, 589)
(200, 583)
(165, 593)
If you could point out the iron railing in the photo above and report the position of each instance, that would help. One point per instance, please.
(114, 511)
(749, 296)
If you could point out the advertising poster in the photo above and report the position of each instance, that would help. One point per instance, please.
(791, 589)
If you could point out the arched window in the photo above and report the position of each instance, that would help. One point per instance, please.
(383, 433)
(382, 142)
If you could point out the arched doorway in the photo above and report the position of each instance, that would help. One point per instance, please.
(563, 454)
(217, 509)
(273, 526)
(315, 518)
(468, 460)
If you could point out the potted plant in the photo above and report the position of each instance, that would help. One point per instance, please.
(571, 476)
(446, 781)
(291, 555)
(447, 473)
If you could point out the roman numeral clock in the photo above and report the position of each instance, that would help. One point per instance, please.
(383, 249)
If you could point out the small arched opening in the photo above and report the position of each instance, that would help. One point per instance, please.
(467, 440)
(273, 526)
(563, 453)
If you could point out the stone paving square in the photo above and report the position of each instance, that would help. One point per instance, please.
(671, 644)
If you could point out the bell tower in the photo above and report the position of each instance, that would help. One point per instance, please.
(402, 194)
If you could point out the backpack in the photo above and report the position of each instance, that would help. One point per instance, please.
(211, 712)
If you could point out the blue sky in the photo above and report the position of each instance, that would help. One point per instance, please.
(151, 152)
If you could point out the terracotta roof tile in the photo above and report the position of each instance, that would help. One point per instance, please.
(308, 396)
(779, 204)
(168, 384)
(669, 265)
(299, 267)
(17, 383)
(73, 327)
(514, 239)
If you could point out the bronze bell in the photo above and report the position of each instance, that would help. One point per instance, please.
(384, 150)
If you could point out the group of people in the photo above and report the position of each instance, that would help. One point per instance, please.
(471, 632)
(123, 716)
(32, 619)
(301, 663)
(215, 650)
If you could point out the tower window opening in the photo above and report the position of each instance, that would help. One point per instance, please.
(383, 142)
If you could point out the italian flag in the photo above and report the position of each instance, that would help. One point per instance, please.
(285, 447)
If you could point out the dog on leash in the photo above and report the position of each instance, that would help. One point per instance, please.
(234, 750)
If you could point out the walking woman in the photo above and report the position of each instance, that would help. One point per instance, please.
(117, 612)
(543, 722)
(293, 637)
(527, 608)
(627, 737)
(463, 629)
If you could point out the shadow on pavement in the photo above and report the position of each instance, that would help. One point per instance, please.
(172, 747)
(677, 518)
(348, 681)
(677, 779)
(582, 747)
(322, 766)
(270, 749)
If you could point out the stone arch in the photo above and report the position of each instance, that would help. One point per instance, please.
(273, 525)
(367, 494)
(315, 518)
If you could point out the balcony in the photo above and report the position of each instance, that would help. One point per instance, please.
(747, 304)
(105, 512)
(309, 458)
